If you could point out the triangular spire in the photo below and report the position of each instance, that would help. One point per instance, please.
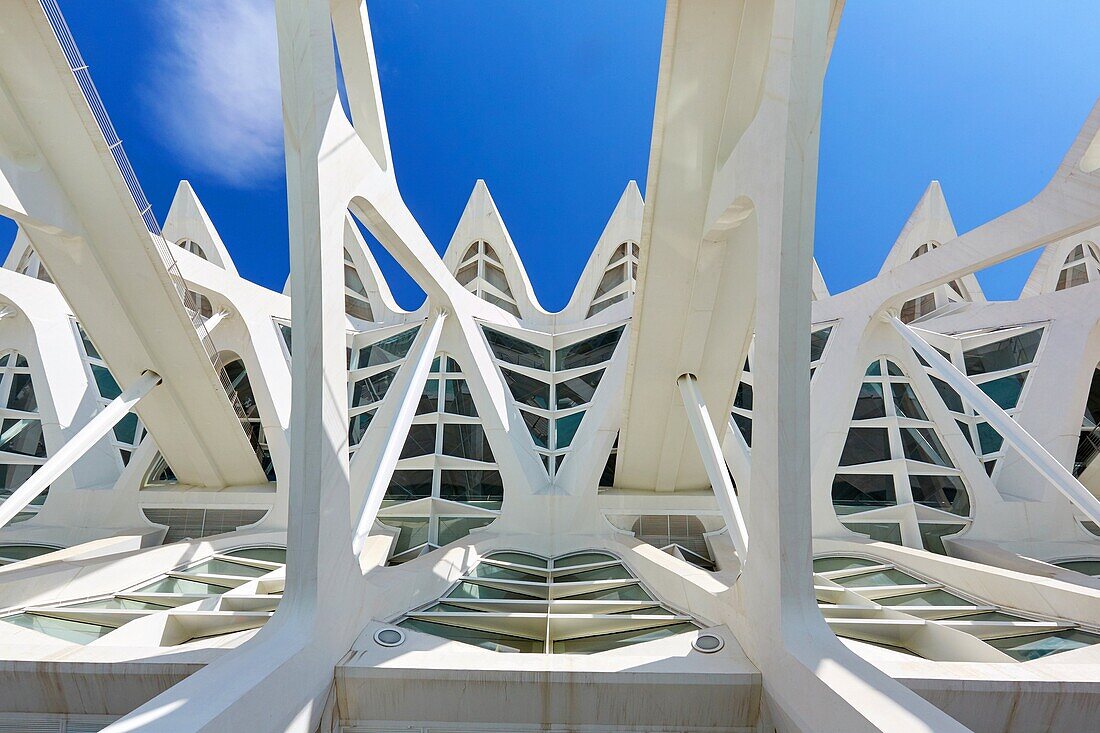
(930, 221)
(187, 220)
(479, 266)
(623, 226)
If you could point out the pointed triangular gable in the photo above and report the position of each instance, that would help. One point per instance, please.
(189, 227)
(482, 256)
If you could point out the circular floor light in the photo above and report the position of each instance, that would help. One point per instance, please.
(389, 637)
(708, 643)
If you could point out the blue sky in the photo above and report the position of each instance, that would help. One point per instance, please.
(551, 103)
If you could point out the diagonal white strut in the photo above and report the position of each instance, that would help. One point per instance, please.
(77, 446)
(385, 460)
(1012, 431)
(711, 452)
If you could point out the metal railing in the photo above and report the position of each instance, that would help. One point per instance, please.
(145, 210)
(1087, 447)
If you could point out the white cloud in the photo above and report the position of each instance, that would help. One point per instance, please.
(215, 87)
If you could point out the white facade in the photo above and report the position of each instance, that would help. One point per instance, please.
(325, 513)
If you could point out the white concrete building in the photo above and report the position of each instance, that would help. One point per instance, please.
(232, 509)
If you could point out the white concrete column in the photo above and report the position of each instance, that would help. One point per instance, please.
(77, 446)
(1035, 454)
(711, 453)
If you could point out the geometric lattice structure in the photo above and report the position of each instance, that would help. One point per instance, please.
(706, 495)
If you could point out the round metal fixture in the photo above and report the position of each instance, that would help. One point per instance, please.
(708, 643)
(389, 637)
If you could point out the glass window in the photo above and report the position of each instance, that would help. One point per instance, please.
(457, 399)
(23, 437)
(893, 369)
(539, 427)
(829, 564)
(1036, 646)
(819, 339)
(467, 274)
(519, 558)
(481, 488)
(743, 399)
(496, 277)
(408, 486)
(455, 528)
(861, 492)
(357, 427)
(466, 441)
(1006, 390)
(921, 444)
(429, 398)
(613, 278)
(925, 599)
(565, 428)
(874, 369)
(988, 438)
(931, 535)
(76, 632)
(488, 571)
(1006, 354)
(869, 403)
(412, 532)
(420, 441)
(744, 424)
(108, 387)
(941, 492)
(595, 350)
(515, 351)
(527, 390)
(21, 397)
(906, 402)
(372, 389)
(865, 445)
(879, 579)
(485, 639)
(582, 558)
(1085, 567)
(577, 391)
(387, 350)
(878, 531)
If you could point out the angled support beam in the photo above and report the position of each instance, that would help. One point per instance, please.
(78, 445)
(710, 450)
(395, 427)
(1012, 431)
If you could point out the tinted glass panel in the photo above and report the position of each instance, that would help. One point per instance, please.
(483, 488)
(387, 350)
(591, 351)
(941, 492)
(921, 444)
(1035, 646)
(420, 441)
(21, 396)
(931, 535)
(869, 403)
(1011, 352)
(988, 438)
(906, 402)
(372, 389)
(859, 493)
(1006, 390)
(23, 437)
(466, 441)
(526, 390)
(515, 351)
(539, 427)
(818, 340)
(577, 391)
(879, 531)
(865, 445)
(457, 399)
(408, 485)
(565, 428)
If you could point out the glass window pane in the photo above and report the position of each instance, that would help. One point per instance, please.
(865, 445)
(429, 398)
(1011, 352)
(1086, 567)
(611, 279)
(494, 572)
(126, 429)
(387, 350)
(76, 632)
(931, 535)
(607, 642)
(182, 587)
(583, 558)
(473, 591)
(878, 531)
(21, 396)
(874, 369)
(485, 639)
(744, 424)
(481, 488)
(539, 427)
(861, 492)
(988, 438)
(921, 444)
(941, 492)
(526, 390)
(577, 391)
(466, 441)
(906, 402)
(23, 437)
(1006, 390)
(270, 554)
(893, 369)
(357, 427)
(595, 350)
(1036, 646)
(372, 389)
(108, 387)
(466, 275)
(878, 579)
(457, 399)
(515, 351)
(869, 403)
(420, 441)
(743, 398)
(829, 564)
(565, 428)
(408, 486)
(413, 532)
(455, 528)
(925, 599)
(611, 572)
(519, 558)
(818, 340)
(496, 277)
